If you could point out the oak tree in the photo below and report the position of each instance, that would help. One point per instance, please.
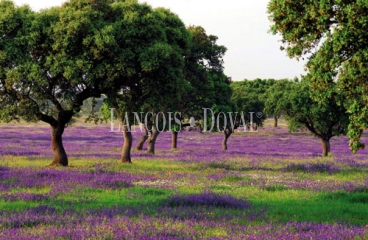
(273, 99)
(332, 36)
(323, 120)
(51, 62)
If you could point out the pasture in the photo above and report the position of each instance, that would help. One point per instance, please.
(269, 184)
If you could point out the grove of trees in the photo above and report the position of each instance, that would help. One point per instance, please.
(140, 59)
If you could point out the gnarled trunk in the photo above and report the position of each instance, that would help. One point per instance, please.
(275, 121)
(174, 139)
(60, 157)
(143, 139)
(227, 133)
(151, 141)
(325, 147)
(127, 146)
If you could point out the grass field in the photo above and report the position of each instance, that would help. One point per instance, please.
(269, 185)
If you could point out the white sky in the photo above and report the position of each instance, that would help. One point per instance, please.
(241, 26)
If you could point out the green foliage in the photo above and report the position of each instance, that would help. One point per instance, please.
(260, 86)
(333, 36)
(105, 111)
(323, 120)
(274, 103)
(194, 85)
(15, 22)
(175, 128)
(203, 70)
(151, 78)
(52, 60)
(248, 96)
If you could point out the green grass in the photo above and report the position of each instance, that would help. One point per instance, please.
(317, 210)
(93, 198)
(283, 203)
(17, 206)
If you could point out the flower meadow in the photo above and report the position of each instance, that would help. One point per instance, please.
(269, 184)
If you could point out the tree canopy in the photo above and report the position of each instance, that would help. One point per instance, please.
(324, 120)
(203, 70)
(332, 35)
(274, 98)
(251, 96)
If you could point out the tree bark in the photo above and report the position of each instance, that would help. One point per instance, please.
(275, 121)
(174, 139)
(200, 128)
(60, 157)
(227, 133)
(143, 139)
(127, 146)
(151, 141)
(325, 147)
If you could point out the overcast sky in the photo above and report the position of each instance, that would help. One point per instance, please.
(241, 26)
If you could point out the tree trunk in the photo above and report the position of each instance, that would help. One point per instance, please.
(127, 146)
(275, 121)
(60, 157)
(325, 147)
(151, 141)
(174, 140)
(227, 134)
(143, 139)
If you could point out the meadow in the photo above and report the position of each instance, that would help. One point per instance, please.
(269, 184)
